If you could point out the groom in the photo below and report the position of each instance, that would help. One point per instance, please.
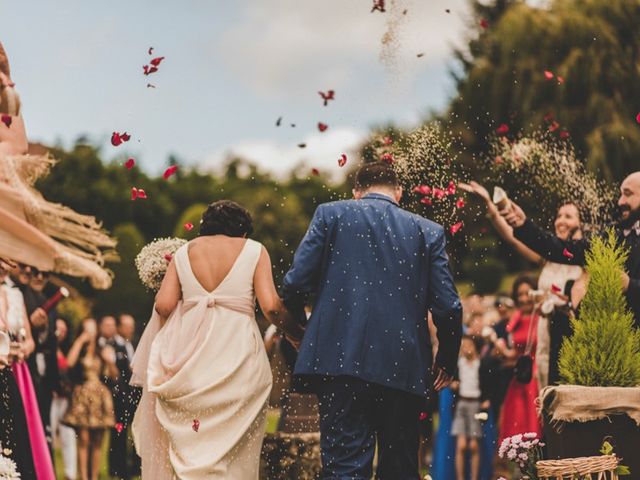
(374, 270)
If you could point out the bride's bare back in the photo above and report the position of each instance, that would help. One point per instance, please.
(212, 257)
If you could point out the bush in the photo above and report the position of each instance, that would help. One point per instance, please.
(605, 347)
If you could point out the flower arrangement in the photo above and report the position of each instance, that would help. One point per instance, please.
(524, 450)
(8, 469)
(154, 258)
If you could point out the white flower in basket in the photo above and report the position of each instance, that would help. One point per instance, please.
(154, 258)
(8, 469)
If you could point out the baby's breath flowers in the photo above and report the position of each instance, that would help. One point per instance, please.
(8, 469)
(154, 258)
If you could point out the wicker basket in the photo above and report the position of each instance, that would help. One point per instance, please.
(592, 468)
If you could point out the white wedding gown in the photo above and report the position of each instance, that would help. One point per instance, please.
(206, 380)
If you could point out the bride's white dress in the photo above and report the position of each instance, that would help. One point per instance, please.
(206, 380)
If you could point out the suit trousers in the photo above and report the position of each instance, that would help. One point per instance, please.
(355, 416)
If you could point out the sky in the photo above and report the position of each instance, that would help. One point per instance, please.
(231, 69)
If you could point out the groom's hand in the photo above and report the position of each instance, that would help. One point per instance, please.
(514, 215)
(443, 379)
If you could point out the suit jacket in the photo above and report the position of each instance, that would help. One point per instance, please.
(375, 270)
(552, 248)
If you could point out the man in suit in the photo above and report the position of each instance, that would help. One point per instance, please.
(573, 252)
(375, 270)
(119, 390)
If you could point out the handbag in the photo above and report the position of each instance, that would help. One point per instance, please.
(523, 370)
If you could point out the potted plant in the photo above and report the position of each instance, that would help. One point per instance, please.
(600, 369)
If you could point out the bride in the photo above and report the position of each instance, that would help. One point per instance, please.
(201, 361)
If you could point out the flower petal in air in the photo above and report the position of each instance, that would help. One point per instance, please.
(129, 163)
(503, 129)
(322, 126)
(188, 226)
(387, 158)
(342, 161)
(196, 425)
(548, 75)
(156, 61)
(455, 228)
(567, 253)
(6, 119)
(170, 171)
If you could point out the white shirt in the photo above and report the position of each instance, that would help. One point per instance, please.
(469, 373)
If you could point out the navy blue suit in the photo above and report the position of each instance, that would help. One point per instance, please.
(375, 270)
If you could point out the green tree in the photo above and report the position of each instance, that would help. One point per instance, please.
(592, 48)
(605, 347)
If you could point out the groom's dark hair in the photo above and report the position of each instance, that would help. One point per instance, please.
(225, 217)
(376, 174)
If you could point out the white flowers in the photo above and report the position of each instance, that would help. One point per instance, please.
(153, 259)
(8, 469)
(522, 449)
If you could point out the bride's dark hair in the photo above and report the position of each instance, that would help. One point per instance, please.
(225, 217)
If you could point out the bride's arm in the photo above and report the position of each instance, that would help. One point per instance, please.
(269, 300)
(169, 294)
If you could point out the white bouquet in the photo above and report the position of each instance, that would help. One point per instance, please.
(8, 469)
(154, 258)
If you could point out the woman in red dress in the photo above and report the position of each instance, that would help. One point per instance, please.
(519, 413)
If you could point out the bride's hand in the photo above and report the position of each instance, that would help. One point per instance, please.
(477, 189)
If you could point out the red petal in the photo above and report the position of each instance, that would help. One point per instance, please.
(548, 75)
(638, 118)
(560, 79)
(141, 194)
(498, 160)
(168, 257)
(456, 227)
(156, 61)
(388, 158)
(423, 416)
(567, 253)
(148, 70)
(6, 119)
(387, 141)
(564, 134)
(150, 51)
(460, 203)
(170, 171)
(342, 161)
(555, 288)
(322, 126)
(451, 188)
(125, 137)
(196, 425)
(130, 163)
(119, 427)
(426, 201)
(554, 126)
(116, 139)
(484, 23)
(134, 193)
(503, 129)
(422, 190)
(548, 117)
(315, 171)
(439, 194)
(188, 226)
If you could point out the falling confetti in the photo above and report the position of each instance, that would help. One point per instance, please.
(548, 75)
(129, 163)
(460, 203)
(119, 138)
(196, 425)
(138, 193)
(423, 416)
(322, 126)
(6, 119)
(503, 129)
(156, 61)
(170, 171)
(148, 70)
(188, 226)
(119, 427)
(326, 96)
(342, 161)
(455, 228)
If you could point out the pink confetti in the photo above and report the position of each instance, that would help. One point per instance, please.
(456, 228)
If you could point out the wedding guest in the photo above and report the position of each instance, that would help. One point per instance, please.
(22, 346)
(504, 306)
(127, 332)
(14, 432)
(573, 251)
(108, 336)
(90, 412)
(64, 435)
(466, 426)
(553, 324)
(518, 413)
(43, 365)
